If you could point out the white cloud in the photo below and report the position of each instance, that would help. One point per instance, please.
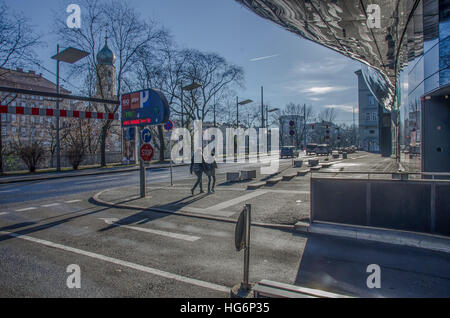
(344, 108)
(320, 90)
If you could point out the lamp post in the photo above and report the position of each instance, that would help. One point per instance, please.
(68, 55)
(244, 102)
(189, 88)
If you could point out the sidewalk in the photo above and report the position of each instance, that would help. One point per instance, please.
(78, 173)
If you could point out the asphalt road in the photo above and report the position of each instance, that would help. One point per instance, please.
(36, 190)
(47, 226)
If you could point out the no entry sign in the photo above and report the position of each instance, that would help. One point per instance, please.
(168, 126)
(146, 152)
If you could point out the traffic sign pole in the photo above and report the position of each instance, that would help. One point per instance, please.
(142, 169)
(168, 127)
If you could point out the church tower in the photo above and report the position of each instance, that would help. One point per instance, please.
(106, 72)
(106, 89)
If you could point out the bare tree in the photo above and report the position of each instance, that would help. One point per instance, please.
(17, 40)
(30, 150)
(76, 146)
(128, 33)
(328, 115)
(215, 75)
(50, 138)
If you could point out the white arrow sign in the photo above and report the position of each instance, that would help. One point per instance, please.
(190, 238)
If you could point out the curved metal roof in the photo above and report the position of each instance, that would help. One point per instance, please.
(342, 25)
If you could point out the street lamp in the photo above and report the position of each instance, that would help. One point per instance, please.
(267, 114)
(69, 55)
(247, 101)
(188, 88)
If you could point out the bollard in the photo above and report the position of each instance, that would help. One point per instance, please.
(242, 241)
(245, 284)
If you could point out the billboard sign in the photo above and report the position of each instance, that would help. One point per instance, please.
(143, 108)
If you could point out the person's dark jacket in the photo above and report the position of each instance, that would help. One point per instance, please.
(197, 167)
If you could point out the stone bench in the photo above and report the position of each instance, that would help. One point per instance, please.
(302, 172)
(316, 168)
(326, 165)
(233, 177)
(248, 174)
(313, 162)
(274, 180)
(335, 156)
(298, 163)
(289, 176)
(256, 185)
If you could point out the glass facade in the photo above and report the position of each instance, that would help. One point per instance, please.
(406, 57)
(425, 72)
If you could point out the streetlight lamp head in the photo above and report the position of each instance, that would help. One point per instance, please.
(247, 101)
(70, 55)
(191, 87)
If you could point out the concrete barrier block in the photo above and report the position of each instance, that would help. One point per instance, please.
(313, 162)
(274, 180)
(302, 173)
(298, 163)
(233, 176)
(290, 176)
(248, 174)
(256, 185)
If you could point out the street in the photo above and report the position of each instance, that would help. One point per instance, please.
(45, 226)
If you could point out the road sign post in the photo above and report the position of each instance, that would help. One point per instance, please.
(169, 126)
(143, 108)
(141, 168)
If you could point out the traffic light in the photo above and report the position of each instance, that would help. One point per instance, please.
(312, 126)
(292, 128)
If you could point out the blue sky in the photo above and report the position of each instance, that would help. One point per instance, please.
(296, 70)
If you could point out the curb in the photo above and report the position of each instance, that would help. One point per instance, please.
(71, 175)
(97, 200)
(396, 237)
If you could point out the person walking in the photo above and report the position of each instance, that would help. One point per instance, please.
(210, 170)
(198, 169)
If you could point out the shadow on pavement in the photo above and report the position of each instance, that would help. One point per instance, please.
(148, 215)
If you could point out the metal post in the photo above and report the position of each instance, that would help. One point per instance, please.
(245, 284)
(214, 110)
(170, 159)
(267, 116)
(182, 107)
(304, 126)
(58, 146)
(262, 107)
(237, 111)
(141, 169)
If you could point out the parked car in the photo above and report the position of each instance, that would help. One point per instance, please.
(323, 149)
(311, 149)
(288, 152)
